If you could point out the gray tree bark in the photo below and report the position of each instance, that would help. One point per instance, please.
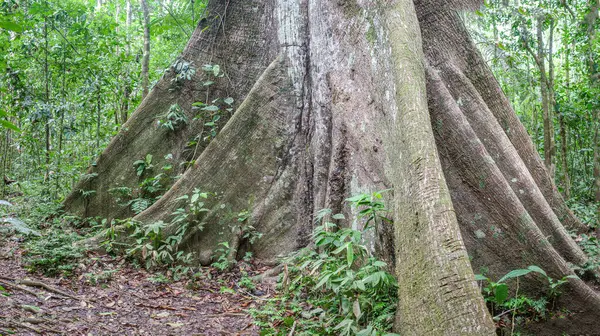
(341, 97)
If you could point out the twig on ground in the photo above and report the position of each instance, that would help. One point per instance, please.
(40, 284)
(14, 324)
(223, 314)
(26, 290)
(155, 307)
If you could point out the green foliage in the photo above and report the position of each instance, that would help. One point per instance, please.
(222, 252)
(371, 207)
(519, 308)
(586, 212)
(246, 281)
(150, 188)
(101, 277)
(591, 246)
(212, 110)
(143, 165)
(88, 59)
(183, 70)
(335, 287)
(174, 119)
(54, 254)
(506, 37)
(151, 244)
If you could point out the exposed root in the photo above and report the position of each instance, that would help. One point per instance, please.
(33, 283)
(40, 284)
(21, 288)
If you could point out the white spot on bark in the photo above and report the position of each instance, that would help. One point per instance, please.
(480, 234)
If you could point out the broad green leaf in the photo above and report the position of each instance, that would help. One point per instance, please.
(357, 198)
(360, 285)
(210, 108)
(8, 25)
(537, 270)
(341, 248)
(501, 293)
(9, 125)
(479, 277)
(514, 274)
(323, 280)
(350, 254)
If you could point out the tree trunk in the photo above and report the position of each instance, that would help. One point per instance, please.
(146, 57)
(127, 75)
(545, 93)
(48, 115)
(563, 126)
(340, 97)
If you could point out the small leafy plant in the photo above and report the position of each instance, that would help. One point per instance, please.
(511, 311)
(222, 252)
(371, 207)
(335, 287)
(143, 165)
(54, 254)
(174, 119)
(151, 244)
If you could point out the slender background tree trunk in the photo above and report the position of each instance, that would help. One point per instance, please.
(146, 56)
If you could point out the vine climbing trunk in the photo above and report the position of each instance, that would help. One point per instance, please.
(334, 98)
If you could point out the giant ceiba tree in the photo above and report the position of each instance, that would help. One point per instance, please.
(338, 97)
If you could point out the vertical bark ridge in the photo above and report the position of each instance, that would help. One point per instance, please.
(505, 156)
(446, 39)
(506, 202)
(432, 265)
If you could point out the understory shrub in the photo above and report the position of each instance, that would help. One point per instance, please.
(336, 286)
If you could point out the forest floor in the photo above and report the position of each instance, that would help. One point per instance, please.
(108, 296)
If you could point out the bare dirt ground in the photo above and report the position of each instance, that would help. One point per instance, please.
(125, 304)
